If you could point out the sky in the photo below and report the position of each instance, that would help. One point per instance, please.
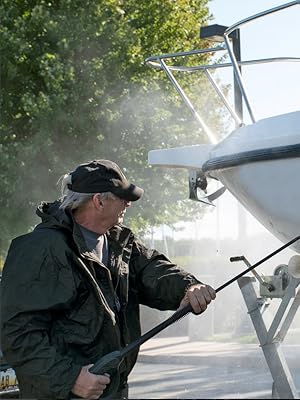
(272, 89)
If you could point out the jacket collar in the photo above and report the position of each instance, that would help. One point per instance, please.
(55, 218)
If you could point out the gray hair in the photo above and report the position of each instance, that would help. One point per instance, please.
(74, 200)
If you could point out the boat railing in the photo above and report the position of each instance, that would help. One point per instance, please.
(163, 62)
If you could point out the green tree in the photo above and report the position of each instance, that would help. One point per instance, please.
(74, 88)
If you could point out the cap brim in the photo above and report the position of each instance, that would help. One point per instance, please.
(130, 192)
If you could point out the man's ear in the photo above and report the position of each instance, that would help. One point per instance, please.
(97, 201)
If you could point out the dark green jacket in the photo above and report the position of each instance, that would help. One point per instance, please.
(58, 315)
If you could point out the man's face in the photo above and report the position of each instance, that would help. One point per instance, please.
(114, 210)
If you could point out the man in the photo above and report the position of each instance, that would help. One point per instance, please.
(71, 288)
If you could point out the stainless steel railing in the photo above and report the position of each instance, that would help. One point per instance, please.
(160, 62)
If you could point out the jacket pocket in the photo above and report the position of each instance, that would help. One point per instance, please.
(83, 323)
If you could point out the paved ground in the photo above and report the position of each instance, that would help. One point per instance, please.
(176, 368)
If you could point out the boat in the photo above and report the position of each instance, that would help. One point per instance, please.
(257, 162)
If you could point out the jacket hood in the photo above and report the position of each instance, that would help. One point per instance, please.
(54, 217)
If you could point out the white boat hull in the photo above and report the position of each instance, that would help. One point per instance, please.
(270, 192)
(259, 164)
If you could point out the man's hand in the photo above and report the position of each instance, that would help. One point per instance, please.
(88, 385)
(198, 296)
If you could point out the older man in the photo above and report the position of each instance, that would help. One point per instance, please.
(71, 288)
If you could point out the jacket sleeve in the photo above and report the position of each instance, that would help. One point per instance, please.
(35, 285)
(160, 283)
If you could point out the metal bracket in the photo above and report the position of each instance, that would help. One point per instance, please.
(198, 188)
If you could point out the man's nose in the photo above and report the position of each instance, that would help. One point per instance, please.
(127, 203)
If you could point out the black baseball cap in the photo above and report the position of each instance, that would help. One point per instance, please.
(101, 176)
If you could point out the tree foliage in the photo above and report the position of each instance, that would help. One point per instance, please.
(74, 88)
